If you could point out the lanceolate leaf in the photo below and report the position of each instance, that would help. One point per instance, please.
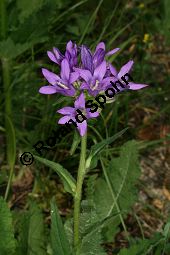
(68, 181)
(7, 241)
(32, 239)
(59, 242)
(95, 149)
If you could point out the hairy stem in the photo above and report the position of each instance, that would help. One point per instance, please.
(78, 195)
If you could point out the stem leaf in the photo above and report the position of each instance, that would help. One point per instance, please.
(7, 241)
(66, 178)
(59, 242)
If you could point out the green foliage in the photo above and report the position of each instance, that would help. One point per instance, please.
(7, 241)
(154, 246)
(66, 178)
(90, 230)
(59, 240)
(76, 141)
(10, 50)
(31, 232)
(100, 216)
(119, 189)
(140, 247)
(91, 244)
(28, 7)
(123, 173)
(95, 149)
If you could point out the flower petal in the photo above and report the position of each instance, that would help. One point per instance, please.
(100, 45)
(64, 119)
(48, 90)
(80, 102)
(113, 70)
(74, 76)
(52, 57)
(100, 71)
(125, 69)
(66, 110)
(84, 74)
(69, 46)
(65, 70)
(136, 86)
(82, 127)
(84, 85)
(98, 57)
(92, 114)
(106, 82)
(86, 58)
(70, 92)
(58, 54)
(111, 52)
(52, 78)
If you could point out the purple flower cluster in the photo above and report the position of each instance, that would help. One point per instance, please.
(84, 79)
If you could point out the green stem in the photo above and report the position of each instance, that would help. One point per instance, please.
(114, 199)
(78, 195)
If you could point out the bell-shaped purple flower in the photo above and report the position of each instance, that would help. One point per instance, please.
(71, 55)
(91, 61)
(62, 84)
(125, 69)
(94, 83)
(72, 113)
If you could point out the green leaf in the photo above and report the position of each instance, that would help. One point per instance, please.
(166, 231)
(31, 232)
(137, 249)
(59, 242)
(90, 230)
(144, 246)
(10, 50)
(91, 244)
(95, 149)
(67, 179)
(76, 141)
(28, 7)
(122, 174)
(7, 241)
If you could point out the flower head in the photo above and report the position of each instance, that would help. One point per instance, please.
(85, 79)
